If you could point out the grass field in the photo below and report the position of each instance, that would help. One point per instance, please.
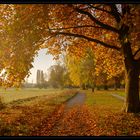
(106, 110)
(103, 112)
(10, 95)
(25, 114)
(120, 92)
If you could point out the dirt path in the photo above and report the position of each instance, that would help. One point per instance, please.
(73, 119)
(76, 100)
(119, 97)
(71, 116)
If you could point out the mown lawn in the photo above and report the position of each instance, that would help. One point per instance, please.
(13, 94)
(23, 116)
(110, 120)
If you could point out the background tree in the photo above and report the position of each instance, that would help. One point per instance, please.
(40, 80)
(56, 76)
(38, 77)
(102, 81)
(82, 69)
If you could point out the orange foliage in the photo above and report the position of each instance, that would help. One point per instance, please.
(27, 28)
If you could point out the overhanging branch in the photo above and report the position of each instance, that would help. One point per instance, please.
(100, 9)
(136, 52)
(89, 39)
(82, 26)
(105, 26)
(115, 13)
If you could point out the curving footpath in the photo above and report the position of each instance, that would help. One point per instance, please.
(71, 120)
(119, 97)
(76, 100)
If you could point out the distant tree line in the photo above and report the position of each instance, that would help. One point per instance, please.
(40, 79)
(57, 77)
(77, 74)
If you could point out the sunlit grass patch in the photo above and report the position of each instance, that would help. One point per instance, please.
(102, 98)
(20, 118)
(13, 94)
(110, 120)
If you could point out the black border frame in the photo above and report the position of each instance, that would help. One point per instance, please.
(65, 1)
(68, 2)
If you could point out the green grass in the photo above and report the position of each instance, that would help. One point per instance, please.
(22, 117)
(103, 98)
(106, 110)
(12, 94)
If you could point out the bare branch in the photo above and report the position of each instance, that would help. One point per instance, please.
(89, 39)
(115, 12)
(49, 37)
(136, 52)
(82, 26)
(100, 9)
(105, 26)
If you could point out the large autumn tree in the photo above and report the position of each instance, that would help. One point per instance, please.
(115, 27)
(20, 37)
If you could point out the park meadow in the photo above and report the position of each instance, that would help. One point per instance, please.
(44, 112)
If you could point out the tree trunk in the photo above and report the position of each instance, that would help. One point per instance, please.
(132, 103)
(92, 88)
(117, 83)
(105, 87)
(83, 87)
(98, 88)
(132, 71)
(115, 87)
(105, 83)
(132, 67)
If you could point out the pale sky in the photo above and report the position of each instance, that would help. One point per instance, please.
(42, 62)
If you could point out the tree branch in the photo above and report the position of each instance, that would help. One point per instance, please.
(136, 52)
(100, 9)
(115, 13)
(49, 37)
(105, 26)
(89, 39)
(82, 26)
